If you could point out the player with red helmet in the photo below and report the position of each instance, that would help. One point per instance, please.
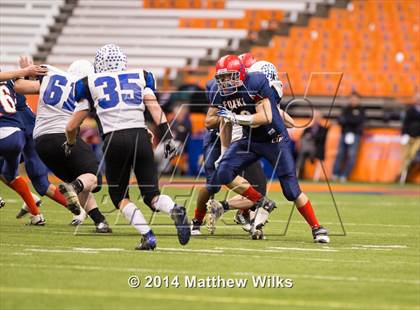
(248, 100)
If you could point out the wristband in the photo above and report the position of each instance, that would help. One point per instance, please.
(164, 131)
(245, 120)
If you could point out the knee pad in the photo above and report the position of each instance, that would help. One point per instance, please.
(41, 184)
(225, 175)
(291, 192)
(148, 198)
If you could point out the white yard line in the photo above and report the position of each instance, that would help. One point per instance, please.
(186, 272)
(213, 299)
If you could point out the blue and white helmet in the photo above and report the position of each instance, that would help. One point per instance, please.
(110, 58)
(270, 71)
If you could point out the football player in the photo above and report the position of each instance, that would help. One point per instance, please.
(79, 169)
(119, 98)
(35, 168)
(12, 140)
(248, 100)
(253, 173)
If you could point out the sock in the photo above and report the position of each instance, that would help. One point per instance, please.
(164, 203)
(225, 205)
(245, 212)
(96, 216)
(135, 218)
(309, 215)
(78, 186)
(199, 215)
(58, 197)
(252, 194)
(21, 187)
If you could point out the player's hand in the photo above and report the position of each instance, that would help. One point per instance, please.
(67, 148)
(227, 115)
(171, 148)
(33, 71)
(151, 135)
(25, 61)
(217, 162)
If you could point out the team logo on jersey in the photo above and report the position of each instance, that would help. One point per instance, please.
(234, 103)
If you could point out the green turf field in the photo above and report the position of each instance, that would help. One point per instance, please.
(375, 266)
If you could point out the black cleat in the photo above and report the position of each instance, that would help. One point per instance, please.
(179, 215)
(148, 242)
(103, 228)
(195, 227)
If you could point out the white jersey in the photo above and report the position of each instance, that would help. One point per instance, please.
(56, 102)
(116, 97)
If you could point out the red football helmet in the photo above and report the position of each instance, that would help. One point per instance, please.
(247, 59)
(230, 73)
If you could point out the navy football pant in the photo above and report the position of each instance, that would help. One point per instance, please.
(11, 148)
(253, 173)
(244, 153)
(35, 168)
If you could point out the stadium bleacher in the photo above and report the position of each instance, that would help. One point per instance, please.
(22, 27)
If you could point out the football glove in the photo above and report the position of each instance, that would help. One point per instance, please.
(171, 148)
(227, 115)
(67, 148)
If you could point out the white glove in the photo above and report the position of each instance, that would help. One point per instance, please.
(227, 115)
(404, 139)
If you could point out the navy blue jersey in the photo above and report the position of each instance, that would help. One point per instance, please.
(25, 112)
(255, 88)
(9, 117)
(212, 134)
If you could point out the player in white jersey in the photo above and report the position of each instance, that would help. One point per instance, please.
(119, 98)
(80, 168)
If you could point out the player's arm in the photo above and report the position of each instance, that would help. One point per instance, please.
(84, 104)
(73, 125)
(225, 134)
(288, 120)
(30, 71)
(27, 87)
(212, 120)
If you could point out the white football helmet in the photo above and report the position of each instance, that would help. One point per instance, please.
(270, 71)
(80, 68)
(110, 58)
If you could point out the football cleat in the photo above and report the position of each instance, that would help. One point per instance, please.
(79, 219)
(264, 207)
(2, 203)
(195, 227)
(69, 193)
(25, 210)
(103, 228)
(242, 218)
(179, 216)
(37, 220)
(148, 242)
(215, 212)
(320, 235)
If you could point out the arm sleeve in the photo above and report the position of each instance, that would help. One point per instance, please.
(150, 88)
(82, 95)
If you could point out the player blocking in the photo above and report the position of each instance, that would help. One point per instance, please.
(119, 97)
